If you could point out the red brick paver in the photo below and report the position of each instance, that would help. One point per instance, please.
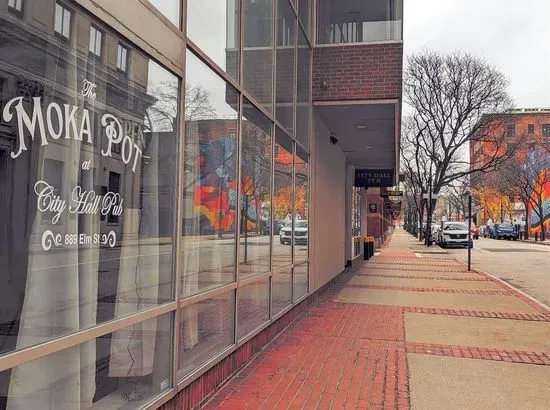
(354, 356)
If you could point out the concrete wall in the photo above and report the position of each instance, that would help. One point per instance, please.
(328, 256)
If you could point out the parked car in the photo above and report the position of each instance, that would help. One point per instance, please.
(504, 231)
(300, 233)
(475, 231)
(488, 233)
(455, 234)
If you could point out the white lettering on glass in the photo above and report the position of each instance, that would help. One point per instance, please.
(74, 123)
(88, 89)
(26, 124)
(48, 201)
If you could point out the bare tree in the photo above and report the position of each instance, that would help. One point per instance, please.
(456, 100)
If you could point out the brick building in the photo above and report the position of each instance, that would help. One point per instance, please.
(524, 131)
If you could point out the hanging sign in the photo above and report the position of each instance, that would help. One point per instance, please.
(374, 178)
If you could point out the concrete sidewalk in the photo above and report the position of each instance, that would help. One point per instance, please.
(400, 332)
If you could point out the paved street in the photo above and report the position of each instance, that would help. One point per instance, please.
(524, 265)
(406, 329)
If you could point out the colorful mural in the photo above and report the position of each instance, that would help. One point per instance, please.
(215, 191)
(533, 217)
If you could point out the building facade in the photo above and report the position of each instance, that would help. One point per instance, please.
(178, 182)
(526, 135)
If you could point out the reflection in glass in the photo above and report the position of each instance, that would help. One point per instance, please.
(214, 27)
(300, 281)
(283, 197)
(258, 50)
(106, 150)
(170, 8)
(281, 291)
(210, 185)
(349, 21)
(303, 103)
(205, 330)
(121, 370)
(252, 306)
(304, 12)
(255, 224)
(301, 206)
(286, 72)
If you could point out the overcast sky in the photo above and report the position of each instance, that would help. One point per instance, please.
(513, 35)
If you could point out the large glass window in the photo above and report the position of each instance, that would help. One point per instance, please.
(256, 169)
(252, 306)
(281, 290)
(170, 8)
(304, 12)
(214, 27)
(301, 206)
(303, 103)
(205, 330)
(258, 50)
(352, 21)
(300, 281)
(86, 229)
(121, 370)
(286, 72)
(283, 198)
(210, 180)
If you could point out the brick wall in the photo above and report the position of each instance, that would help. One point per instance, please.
(357, 72)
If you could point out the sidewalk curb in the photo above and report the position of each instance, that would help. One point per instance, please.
(535, 243)
(506, 284)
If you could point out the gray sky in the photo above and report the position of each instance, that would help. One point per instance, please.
(512, 35)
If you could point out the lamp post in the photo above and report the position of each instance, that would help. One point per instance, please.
(470, 240)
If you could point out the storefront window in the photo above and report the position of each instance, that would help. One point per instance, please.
(214, 27)
(281, 290)
(210, 180)
(121, 370)
(301, 223)
(252, 306)
(258, 50)
(88, 168)
(170, 8)
(303, 103)
(283, 197)
(254, 255)
(300, 281)
(286, 71)
(205, 330)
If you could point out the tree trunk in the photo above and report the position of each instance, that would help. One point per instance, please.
(526, 220)
(541, 223)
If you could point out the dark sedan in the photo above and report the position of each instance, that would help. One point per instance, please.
(504, 231)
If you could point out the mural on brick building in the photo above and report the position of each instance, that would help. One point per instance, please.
(215, 190)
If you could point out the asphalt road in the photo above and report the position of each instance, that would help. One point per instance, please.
(524, 265)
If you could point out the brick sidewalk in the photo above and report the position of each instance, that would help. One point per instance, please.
(354, 348)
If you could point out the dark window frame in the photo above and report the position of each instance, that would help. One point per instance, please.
(122, 46)
(15, 11)
(58, 34)
(102, 41)
(530, 128)
(511, 130)
(545, 130)
(114, 219)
